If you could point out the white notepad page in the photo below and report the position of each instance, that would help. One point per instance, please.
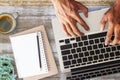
(25, 51)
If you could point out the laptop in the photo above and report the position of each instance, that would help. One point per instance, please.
(87, 56)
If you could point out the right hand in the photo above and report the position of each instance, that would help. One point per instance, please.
(67, 14)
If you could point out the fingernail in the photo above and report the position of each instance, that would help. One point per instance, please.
(110, 43)
(106, 44)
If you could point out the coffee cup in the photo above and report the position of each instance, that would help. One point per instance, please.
(7, 22)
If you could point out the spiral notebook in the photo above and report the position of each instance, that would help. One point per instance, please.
(33, 56)
(29, 54)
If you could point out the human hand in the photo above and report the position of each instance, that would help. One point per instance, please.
(112, 16)
(68, 16)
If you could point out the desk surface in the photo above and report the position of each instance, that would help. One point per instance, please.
(33, 16)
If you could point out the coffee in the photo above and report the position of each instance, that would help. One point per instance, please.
(7, 23)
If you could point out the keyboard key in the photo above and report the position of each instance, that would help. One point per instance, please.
(74, 76)
(72, 66)
(81, 55)
(84, 48)
(95, 57)
(92, 53)
(118, 47)
(94, 61)
(90, 59)
(97, 51)
(68, 78)
(106, 55)
(75, 56)
(101, 56)
(84, 59)
(89, 62)
(64, 57)
(72, 39)
(96, 40)
(92, 36)
(98, 75)
(102, 50)
(95, 47)
(91, 41)
(77, 64)
(117, 53)
(113, 48)
(82, 78)
(78, 49)
(66, 63)
(86, 53)
(108, 49)
(70, 57)
(100, 60)
(112, 54)
(77, 39)
(89, 47)
(74, 45)
(79, 60)
(61, 41)
(73, 50)
(66, 52)
(87, 76)
(86, 43)
(67, 41)
(100, 45)
(83, 64)
(80, 44)
(64, 47)
(66, 67)
(102, 39)
(84, 38)
(73, 61)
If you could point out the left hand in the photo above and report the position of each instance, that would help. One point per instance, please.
(112, 16)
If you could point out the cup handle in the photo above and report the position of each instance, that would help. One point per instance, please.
(15, 15)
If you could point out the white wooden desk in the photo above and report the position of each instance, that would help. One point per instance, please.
(33, 16)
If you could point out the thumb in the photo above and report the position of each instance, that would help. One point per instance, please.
(103, 22)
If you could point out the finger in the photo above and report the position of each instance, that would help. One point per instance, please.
(109, 33)
(83, 8)
(65, 30)
(103, 22)
(69, 30)
(117, 37)
(81, 21)
(75, 29)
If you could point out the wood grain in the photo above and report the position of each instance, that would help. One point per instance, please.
(48, 2)
(33, 16)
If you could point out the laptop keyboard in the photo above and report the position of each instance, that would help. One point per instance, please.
(88, 56)
(95, 70)
(87, 50)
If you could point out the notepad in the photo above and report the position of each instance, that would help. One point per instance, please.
(28, 58)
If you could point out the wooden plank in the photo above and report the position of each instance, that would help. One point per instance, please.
(48, 2)
(33, 16)
(29, 17)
